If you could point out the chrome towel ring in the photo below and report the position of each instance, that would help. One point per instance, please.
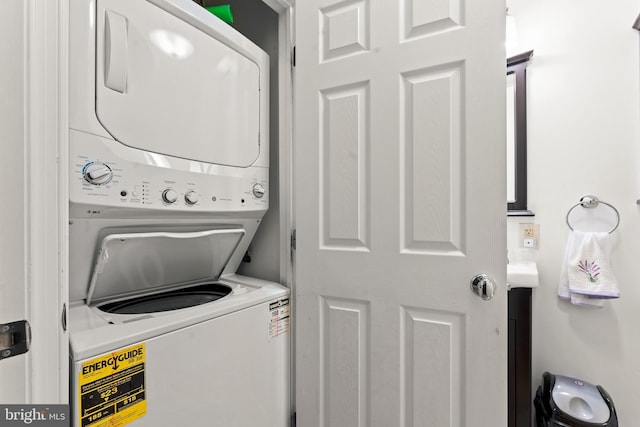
(591, 202)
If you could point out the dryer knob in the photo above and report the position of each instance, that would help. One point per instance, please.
(97, 173)
(258, 190)
(191, 198)
(169, 196)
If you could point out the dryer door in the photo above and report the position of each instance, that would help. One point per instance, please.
(173, 85)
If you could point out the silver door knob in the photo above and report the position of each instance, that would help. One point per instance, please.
(484, 286)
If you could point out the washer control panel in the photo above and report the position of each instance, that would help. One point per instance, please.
(105, 173)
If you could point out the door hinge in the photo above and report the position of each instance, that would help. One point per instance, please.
(293, 240)
(15, 338)
(293, 57)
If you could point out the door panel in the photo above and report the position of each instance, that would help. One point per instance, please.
(399, 173)
(431, 163)
(431, 350)
(344, 161)
(344, 332)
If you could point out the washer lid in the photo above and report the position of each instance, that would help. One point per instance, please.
(138, 263)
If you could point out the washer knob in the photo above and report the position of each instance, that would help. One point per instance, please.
(97, 173)
(258, 190)
(169, 196)
(191, 198)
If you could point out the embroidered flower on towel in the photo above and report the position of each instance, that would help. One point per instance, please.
(590, 268)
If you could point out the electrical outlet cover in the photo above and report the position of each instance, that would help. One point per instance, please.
(530, 230)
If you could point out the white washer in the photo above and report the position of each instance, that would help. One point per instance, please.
(206, 352)
(168, 183)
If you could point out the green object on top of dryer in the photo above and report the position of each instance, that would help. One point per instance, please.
(223, 12)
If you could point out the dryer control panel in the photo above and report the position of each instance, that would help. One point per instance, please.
(107, 173)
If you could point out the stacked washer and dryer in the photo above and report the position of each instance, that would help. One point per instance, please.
(168, 184)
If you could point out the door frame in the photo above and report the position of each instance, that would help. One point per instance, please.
(46, 214)
(284, 9)
(286, 43)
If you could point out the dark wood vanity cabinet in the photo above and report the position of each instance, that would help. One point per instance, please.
(519, 373)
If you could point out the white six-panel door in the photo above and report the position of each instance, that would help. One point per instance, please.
(399, 201)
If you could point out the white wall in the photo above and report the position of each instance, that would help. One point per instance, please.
(584, 138)
(259, 23)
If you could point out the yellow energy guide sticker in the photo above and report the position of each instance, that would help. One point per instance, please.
(111, 391)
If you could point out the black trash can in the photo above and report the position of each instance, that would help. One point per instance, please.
(568, 402)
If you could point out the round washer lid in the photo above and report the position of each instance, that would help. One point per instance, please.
(137, 263)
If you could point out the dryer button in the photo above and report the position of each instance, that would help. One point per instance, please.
(191, 198)
(169, 196)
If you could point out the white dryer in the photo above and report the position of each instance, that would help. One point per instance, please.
(168, 183)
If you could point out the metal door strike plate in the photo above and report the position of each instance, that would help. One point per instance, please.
(15, 338)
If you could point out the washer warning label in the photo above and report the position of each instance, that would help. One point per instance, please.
(111, 388)
(279, 318)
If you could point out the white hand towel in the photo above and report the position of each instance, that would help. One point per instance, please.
(563, 287)
(586, 276)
